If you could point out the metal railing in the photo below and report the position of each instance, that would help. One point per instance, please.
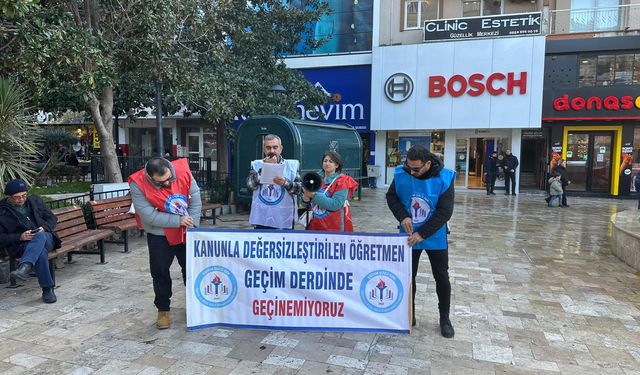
(618, 18)
(201, 169)
(83, 199)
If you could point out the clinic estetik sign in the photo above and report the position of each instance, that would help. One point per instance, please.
(483, 27)
(475, 84)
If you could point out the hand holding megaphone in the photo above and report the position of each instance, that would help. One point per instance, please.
(311, 182)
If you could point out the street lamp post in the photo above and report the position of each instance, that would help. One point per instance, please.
(159, 135)
(277, 91)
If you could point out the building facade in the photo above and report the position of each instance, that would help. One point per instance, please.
(461, 112)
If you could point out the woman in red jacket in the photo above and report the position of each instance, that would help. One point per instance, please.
(331, 210)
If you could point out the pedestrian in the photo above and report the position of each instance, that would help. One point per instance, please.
(561, 168)
(509, 164)
(26, 231)
(331, 209)
(555, 189)
(421, 198)
(167, 200)
(274, 204)
(491, 172)
(636, 184)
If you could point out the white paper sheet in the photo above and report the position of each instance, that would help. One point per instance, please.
(271, 171)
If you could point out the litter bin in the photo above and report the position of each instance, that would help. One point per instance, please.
(305, 141)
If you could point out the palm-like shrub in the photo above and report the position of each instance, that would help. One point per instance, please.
(18, 134)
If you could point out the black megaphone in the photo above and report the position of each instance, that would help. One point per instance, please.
(312, 182)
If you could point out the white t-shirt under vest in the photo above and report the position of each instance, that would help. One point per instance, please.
(272, 205)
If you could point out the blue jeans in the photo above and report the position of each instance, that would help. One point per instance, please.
(36, 252)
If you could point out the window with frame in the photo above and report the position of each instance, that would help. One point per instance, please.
(475, 8)
(606, 70)
(416, 12)
(594, 15)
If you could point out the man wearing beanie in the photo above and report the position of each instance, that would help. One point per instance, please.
(26, 230)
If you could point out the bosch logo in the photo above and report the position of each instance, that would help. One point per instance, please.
(398, 87)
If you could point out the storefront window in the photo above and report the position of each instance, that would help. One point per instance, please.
(143, 141)
(588, 71)
(636, 69)
(605, 71)
(398, 144)
(623, 69)
(636, 156)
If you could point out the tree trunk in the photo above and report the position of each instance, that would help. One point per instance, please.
(221, 147)
(102, 114)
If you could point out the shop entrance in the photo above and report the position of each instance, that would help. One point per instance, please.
(533, 164)
(470, 156)
(589, 157)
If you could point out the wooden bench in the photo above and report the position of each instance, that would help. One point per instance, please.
(206, 206)
(72, 231)
(114, 214)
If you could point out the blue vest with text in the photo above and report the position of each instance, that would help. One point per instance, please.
(420, 198)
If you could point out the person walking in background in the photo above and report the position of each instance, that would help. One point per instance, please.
(509, 164)
(166, 198)
(330, 204)
(26, 230)
(274, 205)
(555, 189)
(491, 172)
(564, 180)
(421, 198)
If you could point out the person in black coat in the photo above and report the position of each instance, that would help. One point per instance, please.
(26, 231)
(564, 180)
(491, 172)
(510, 163)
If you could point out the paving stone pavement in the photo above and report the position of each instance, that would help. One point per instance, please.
(536, 290)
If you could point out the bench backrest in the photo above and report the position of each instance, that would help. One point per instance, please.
(111, 210)
(70, 221)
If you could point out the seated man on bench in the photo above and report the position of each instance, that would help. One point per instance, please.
(26, 230)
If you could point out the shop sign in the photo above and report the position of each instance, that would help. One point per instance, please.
(477, 84)
(599, 102)
(348, 90)
(532, 134)
(483, 27)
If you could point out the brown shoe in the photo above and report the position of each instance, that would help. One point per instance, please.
(164, 320)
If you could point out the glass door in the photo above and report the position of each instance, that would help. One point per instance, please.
(462, 157)
(589, 157)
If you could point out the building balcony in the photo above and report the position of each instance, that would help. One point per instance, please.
(615, 20)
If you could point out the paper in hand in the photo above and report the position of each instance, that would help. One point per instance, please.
(271, 171)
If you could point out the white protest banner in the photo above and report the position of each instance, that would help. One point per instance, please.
(303, 280)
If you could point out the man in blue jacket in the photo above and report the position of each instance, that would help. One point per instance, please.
(421, 199)
(26, 230)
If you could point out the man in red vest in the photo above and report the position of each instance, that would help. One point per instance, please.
(166, 198)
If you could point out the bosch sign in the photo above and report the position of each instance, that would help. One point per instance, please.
(494, 84)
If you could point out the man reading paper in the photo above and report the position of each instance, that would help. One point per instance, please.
(274, 204)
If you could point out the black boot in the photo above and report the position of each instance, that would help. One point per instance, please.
(48, 296)
(446, 329)
(23, 271)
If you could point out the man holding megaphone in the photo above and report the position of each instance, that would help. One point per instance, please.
(274, 204)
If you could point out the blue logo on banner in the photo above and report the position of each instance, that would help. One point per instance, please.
(216, 287)
(381, 291)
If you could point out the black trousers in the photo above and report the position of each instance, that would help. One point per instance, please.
(563, 202)
(439, 260)
(490, 181)
(510, 179)
(161, 256)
